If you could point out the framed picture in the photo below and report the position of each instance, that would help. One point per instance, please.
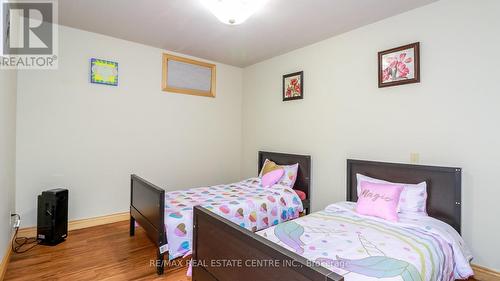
(188, 76)
(103, 72)
(293, 86)
(399, 66)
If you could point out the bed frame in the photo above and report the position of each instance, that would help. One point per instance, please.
(147, 207)
(147, 201)
(444, 185)
(240, 245)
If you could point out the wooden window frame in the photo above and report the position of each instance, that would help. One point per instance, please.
(165, 87)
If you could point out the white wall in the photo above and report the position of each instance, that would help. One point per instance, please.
(451, 118)
(90, 138)
(7, 154)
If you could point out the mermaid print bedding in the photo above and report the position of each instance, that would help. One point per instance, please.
(246, 203)
(417, 248)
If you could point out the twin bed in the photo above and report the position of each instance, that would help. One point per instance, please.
(167, 218)
(339, 244)
(232, 233)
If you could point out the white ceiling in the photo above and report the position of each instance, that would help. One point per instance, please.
(185, 26)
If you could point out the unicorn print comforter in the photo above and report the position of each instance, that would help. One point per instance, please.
(366, 248)
(245, 203)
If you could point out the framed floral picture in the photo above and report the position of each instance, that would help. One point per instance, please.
(399, 66)
(293, 86)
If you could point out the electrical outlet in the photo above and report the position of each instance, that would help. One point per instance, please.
(414, 157)
(14, 220)
(11, 219)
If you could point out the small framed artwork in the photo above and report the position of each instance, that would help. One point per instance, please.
(103, 72)
(187, 76)
(399, 66)
(293, 86)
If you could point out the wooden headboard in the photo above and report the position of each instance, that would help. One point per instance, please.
(443, 185)
(303, 181)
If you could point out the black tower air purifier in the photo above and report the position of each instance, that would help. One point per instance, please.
(52, 225)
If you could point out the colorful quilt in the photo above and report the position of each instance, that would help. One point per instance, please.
(417, 248)
(245, 203)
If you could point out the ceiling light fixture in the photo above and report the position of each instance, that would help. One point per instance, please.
(233, 12)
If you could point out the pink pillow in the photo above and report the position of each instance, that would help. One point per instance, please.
(272, 177)
(379, 200)
(413, 198)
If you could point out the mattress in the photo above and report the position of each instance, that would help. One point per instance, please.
(358, 247)
(245, 203)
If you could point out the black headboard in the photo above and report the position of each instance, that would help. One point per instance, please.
(303, 181)
(444, 185)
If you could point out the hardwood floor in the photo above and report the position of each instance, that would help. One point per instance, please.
(97, 253)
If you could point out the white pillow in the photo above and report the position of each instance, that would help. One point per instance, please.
(413, 198)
